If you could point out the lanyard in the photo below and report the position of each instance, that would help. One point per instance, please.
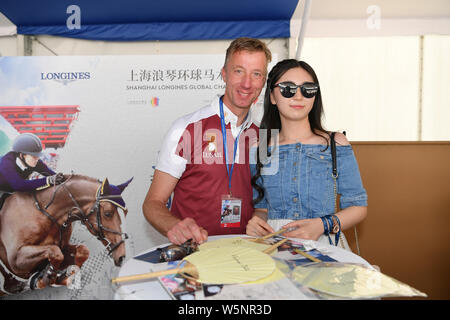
(225, 146)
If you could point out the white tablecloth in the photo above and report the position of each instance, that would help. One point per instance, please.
(152, 289)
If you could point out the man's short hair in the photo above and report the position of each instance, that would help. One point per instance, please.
(248, 44)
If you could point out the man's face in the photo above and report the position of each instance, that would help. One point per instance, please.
(245, 76)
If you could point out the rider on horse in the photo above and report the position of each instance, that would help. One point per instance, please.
(17, 166)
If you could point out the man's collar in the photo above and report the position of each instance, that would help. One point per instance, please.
(230, 117)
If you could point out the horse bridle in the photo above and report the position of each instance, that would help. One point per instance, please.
(100, 231)
(84, 218)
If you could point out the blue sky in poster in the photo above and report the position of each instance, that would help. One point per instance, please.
(15, 88)
(18, 82)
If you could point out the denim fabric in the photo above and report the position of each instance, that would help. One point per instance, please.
(298, 184)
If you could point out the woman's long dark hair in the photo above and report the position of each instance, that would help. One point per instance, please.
(271, 118)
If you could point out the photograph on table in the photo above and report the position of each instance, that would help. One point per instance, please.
(182, 287)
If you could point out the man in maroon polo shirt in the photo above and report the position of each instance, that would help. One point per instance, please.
(210, 197)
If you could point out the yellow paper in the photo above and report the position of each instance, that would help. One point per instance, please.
(226, 265)
(236, 242)
(276, 275)
(351, 281)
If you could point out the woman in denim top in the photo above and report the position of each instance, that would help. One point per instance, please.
(292, 178)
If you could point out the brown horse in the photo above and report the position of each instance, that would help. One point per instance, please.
(35, 230)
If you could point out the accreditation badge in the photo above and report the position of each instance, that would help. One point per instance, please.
(230, 212)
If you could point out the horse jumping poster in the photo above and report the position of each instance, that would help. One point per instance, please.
(101, 120)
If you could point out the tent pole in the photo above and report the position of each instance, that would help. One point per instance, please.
(20, 42)
(305, 18)
(28, 46)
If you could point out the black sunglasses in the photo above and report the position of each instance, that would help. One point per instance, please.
(289, 89)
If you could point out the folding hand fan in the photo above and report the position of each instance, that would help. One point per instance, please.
(270, 235)
(351, 281)
(224, 265)
(279, 273)
(234, 242)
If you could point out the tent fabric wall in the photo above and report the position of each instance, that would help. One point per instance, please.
(8, 46)
(7, 28)
(50, 45)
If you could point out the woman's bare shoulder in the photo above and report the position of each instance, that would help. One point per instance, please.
(324, 138)
(341, 139)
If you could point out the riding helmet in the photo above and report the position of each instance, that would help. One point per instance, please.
(28, 143)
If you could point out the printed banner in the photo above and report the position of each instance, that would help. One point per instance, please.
(101, 118)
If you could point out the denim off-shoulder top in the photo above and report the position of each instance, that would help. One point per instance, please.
(298, 184)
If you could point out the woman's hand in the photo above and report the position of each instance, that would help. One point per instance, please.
(310, 229)
(258, 227)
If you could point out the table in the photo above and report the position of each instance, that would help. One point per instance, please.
(152, 289)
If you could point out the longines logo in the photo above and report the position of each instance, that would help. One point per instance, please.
(65, 77)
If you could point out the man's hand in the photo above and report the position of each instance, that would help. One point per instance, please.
(187, 229)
